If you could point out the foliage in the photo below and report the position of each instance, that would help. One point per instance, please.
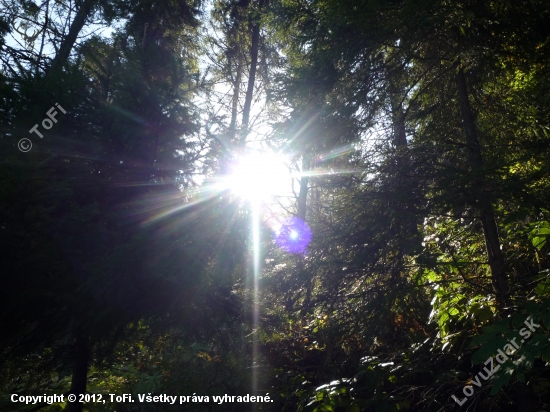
(423, 131)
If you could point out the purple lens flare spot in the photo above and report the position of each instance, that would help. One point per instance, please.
(293, 236)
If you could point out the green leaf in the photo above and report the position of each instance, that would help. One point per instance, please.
(489, 349)
(500, 326)
(540, 234)
(502, 380)
(545, 353)
(543, 288)
(485, 314)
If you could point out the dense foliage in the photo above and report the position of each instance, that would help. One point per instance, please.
(421, 129)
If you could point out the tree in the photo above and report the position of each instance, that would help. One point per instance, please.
(417, 51)
(109, 275)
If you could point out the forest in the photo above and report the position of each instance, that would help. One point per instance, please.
(274, 205)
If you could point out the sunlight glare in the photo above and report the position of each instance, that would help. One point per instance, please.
(259, 176)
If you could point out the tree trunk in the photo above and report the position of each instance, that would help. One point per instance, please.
(398, 120)
(483, 201)
(251, 75)
(304, 180)
(80, 372)
(236, 93)
(68, 42)
(301, 214)
(44, 30)
(405, 202)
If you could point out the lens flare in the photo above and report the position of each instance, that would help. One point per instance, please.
(293, 236)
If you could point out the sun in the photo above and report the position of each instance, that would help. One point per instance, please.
(257, 177)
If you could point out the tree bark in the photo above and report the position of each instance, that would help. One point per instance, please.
(44, 29)
(236, 93)
(301, 214)
(483, 201)
(398, 120)
(68, 42)
(405, 203)
(80, 372)
(304, 181)
(251, 75)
